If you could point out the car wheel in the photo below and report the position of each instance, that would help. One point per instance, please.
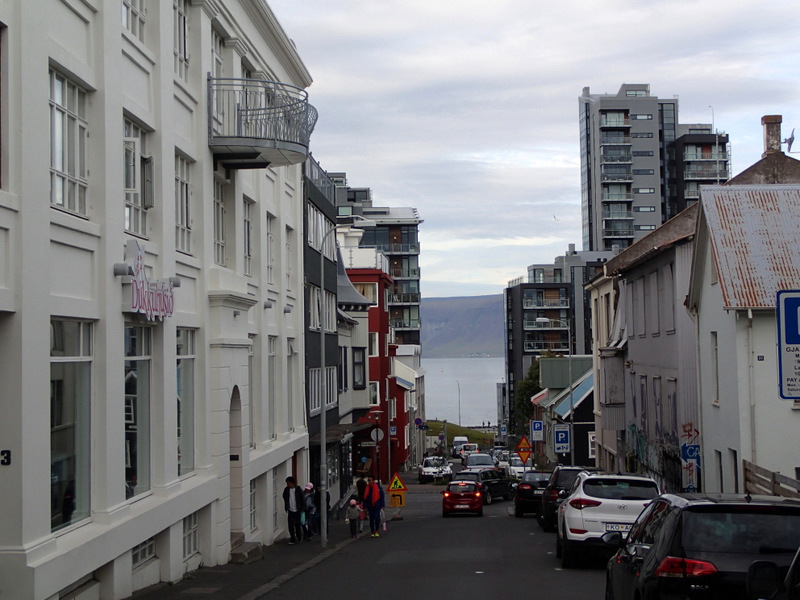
(508, 495)
(568, 555)
(487, 497)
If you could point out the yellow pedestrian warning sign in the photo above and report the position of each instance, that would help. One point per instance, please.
(397, 484)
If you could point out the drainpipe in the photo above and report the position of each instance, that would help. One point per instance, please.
(751, 386)
(696, 318)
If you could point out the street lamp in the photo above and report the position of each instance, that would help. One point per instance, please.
(459, 402)
(565, 323)
(323, 425)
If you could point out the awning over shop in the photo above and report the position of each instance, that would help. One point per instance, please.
(337, 433)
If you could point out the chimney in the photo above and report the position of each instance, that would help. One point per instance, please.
(772, 133)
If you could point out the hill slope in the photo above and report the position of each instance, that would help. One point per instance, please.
(459, 327)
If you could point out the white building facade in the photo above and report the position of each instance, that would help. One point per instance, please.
(150, 216)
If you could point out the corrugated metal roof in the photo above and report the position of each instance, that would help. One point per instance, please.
(581, 390)
(755, 240)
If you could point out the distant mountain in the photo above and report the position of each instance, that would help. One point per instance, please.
(460, 327)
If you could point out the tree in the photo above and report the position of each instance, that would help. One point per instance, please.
(523, 409)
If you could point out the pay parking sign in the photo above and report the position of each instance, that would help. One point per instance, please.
(561, 441)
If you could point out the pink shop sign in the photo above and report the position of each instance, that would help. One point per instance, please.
(154, 299)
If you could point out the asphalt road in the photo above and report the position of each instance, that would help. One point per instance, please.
(463, 557)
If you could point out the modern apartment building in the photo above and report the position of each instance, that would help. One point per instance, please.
(396, 235)
(639, 166)
(151, 264)
(548, 312)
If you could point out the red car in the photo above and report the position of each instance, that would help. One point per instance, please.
(462, 497)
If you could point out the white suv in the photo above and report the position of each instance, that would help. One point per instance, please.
(598, 503)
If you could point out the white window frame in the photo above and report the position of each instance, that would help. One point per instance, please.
(217, 71)
(183, 207)
(374, 348)
(191, 528)
(137, 177)
(133, 17)
(180, 50)
(69, 131)
(272, 388)
(314, 321)
(374, 393)
(330, 312)
(269, 257)
(220, 217)
(253, 505)
(247, 236)
(143, 552)
(186, 399)
(138, 409)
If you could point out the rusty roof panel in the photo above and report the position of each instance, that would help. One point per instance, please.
(755, 239)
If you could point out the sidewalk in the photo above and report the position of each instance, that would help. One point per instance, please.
(280, 563)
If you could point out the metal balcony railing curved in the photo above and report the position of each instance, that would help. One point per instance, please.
(270, 118)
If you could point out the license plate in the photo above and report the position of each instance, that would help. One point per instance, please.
(462, 505)
(623, 527)
(538, 492)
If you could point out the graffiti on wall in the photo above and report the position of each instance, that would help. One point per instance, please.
(690, 456)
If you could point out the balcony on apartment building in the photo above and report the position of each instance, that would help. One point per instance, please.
(405, 273)
(404, 298)
(618, 232)
(614, 120)
(709, 173)
(253, 123)
(616, 197)
(531, 323)
(405, 323)
(617, 214)
(319, 179)
(616, 157)
(607, 139)
(398, 248)
(625, 176)
(531, 303)
(544, 346)
(689, 154)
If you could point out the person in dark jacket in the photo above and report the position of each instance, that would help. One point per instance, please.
(373, 503)
(293, 504)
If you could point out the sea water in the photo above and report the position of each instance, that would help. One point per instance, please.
(473, 380)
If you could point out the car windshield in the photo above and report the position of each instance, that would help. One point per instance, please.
(764, 530)
(620, 489)
(535, 477)
(433, 462)
(480, 459)
(467, 476)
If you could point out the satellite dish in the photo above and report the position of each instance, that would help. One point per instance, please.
(789, 141)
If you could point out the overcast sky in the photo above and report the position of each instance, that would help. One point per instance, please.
(468, 110)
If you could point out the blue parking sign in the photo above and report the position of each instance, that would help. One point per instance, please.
(788, 321)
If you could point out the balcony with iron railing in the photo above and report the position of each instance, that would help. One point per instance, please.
(319, 178)
(253, 123)
(529, 303)
(618, 232)
(617, 214)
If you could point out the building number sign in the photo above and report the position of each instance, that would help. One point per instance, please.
(5, 457)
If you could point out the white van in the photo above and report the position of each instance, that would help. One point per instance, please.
(458, 441)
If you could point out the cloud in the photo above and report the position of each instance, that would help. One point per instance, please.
(468, 110)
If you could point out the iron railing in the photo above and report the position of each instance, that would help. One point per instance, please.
(259, 110)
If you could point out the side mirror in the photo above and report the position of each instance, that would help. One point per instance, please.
(563, 494)
(613, 538)
(763, 580)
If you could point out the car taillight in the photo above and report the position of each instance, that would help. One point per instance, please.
(447, 494)
(524, 486)
(673, 566)
(553, 495)
(581, 503)
(477, 494)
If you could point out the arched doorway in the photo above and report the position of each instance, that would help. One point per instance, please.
(236, 456)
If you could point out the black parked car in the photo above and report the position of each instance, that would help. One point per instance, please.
(701, 546)
(528, 496)
(493, 484)
(562, 479)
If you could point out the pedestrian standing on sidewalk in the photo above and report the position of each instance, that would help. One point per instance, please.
(293, 503)
(374, 502)
(352, 517)
(312, 515)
